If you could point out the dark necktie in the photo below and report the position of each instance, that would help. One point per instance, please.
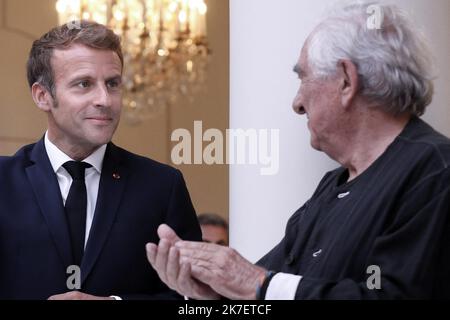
(75, 207)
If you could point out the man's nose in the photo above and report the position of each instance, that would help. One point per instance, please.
(297, 104)
(102, 96)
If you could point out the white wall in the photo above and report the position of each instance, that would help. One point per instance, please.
(266, 38)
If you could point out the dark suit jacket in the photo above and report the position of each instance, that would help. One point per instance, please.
(135, 196)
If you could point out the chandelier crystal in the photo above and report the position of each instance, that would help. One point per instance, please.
(164, 44)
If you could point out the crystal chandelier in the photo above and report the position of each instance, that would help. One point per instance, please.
(164, 44)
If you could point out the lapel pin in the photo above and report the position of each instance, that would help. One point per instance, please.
(116, 176)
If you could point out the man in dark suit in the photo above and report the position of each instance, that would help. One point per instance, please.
(75, 210)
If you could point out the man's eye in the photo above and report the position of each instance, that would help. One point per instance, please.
(83, 84)
(113, 84)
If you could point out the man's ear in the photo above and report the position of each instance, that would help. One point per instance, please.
(41, 97)
(349, 81)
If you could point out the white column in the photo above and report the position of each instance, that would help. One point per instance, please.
(266, 38)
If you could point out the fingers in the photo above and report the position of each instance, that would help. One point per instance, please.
(162, 258)
(158, 255)
(166, 261)
(201, 270)
(221, 257)
(179, 276)
(166, 232)
(184, 276)
(173, 268)
(185, 282)
(200, 246)
(207, 265)
(71, 295)
(151, 249)
(197, 289)
(64, 296)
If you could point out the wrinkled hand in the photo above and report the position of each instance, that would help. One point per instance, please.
(165, 259)
(222, 268)
(77, 295)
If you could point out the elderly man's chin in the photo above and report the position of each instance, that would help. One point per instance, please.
(315, 146)
(315, 143)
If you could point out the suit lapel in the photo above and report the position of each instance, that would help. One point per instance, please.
(112, 186)
(45, 186)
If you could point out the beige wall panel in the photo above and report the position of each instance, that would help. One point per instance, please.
(210, 183)
(32, 17)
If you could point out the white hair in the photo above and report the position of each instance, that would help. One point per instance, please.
(393, 60)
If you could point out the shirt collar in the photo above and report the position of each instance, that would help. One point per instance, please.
(58, 158)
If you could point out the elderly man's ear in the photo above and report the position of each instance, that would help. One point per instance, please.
(349, 81)
(41, 97)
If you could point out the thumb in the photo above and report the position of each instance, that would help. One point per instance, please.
(166, 232)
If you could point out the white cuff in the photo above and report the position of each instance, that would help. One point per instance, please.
(283, 286)
(116, 297)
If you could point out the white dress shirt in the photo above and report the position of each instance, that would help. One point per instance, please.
(92, 177)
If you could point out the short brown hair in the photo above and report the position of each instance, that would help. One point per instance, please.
(212, 219)
(90, 34)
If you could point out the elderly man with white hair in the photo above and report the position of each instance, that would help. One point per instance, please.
(378, 227)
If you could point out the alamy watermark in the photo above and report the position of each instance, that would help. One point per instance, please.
(74, 280)
(236, 146)
(374, 280)
(376, 18)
